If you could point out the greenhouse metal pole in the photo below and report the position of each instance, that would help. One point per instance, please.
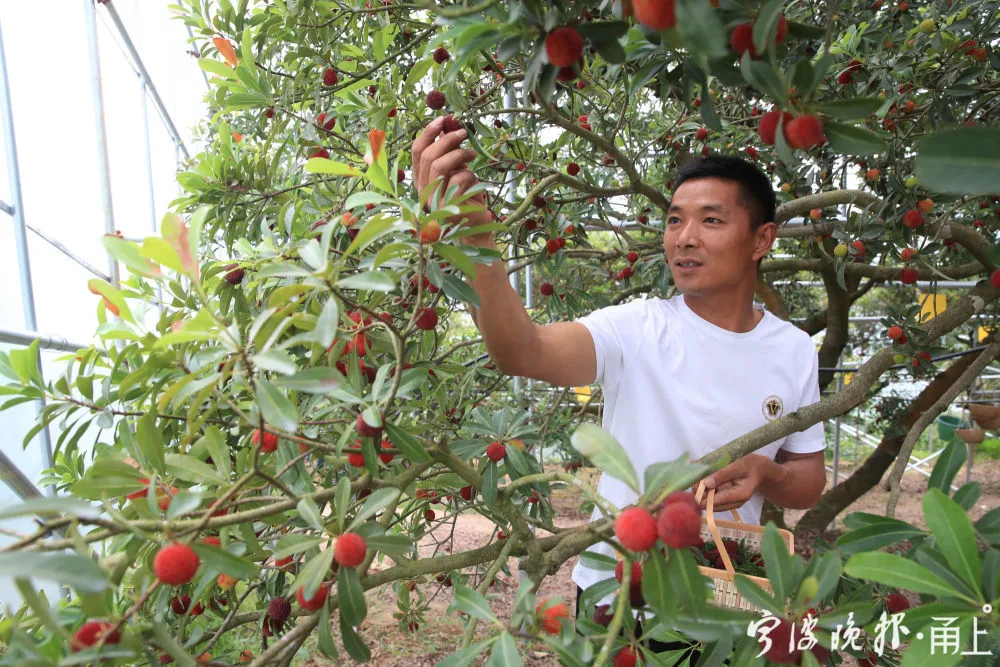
(47, 341)
(104, 167)
(149, 154)
(141, 69)
(7, 467)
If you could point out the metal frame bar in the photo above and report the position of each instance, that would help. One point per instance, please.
(140, 69)
(104, 165)
(48, 341)
(69, 253)
(11, 474)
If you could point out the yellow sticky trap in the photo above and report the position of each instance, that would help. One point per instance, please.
(983, 333)
(848, 378)
(582, 394)
(932, 305)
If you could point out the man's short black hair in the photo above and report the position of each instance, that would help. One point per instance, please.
(757, 193)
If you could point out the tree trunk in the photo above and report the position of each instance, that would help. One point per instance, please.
(838, 498)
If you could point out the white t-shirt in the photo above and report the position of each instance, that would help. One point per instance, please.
(674, 382)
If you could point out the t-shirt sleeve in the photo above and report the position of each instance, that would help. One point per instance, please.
(616, 331)
(813, 439)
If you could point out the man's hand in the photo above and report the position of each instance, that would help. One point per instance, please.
(737, 482)
(438, 155)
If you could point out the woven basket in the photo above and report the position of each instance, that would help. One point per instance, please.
(714, 529)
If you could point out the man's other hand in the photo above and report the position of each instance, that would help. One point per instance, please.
(738, 481)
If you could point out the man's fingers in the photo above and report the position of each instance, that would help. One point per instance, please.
(449, 166)
(424, 140)
(444, 145)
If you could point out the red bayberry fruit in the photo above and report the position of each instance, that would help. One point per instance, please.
(908, 276)
(547, 289)
(741, 39)
(356, 459)
(655, 14)
(431, 232)
(603, 615)
(768, 125)
(495, 451)
(551, 617)
(636, 577)
(315, 602)
(685, 497)
(278, 609)
(572, 169)
(350, 550)
(907, 254)
(91, 632)
(564, 46)
(441, 54)
(366, 430)
(845, 77)
(330, 77)
(913, 218)
(780, 650)
(427, 319)
(267, 443)
(679, 525)
(995, 278)
(895, 333)
(627, 657)
(701, 134)
(175, 564)
(467, 492)
(212, 540)
(896, 602)
(805, 132)
(435, 100)
(386, 457)
(632, 256)
(234, 274)
(635, 528)
(429, 515)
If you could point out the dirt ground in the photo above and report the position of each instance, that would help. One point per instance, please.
(442, 634)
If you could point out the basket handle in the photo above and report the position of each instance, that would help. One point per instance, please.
(735, 512)
(714, 530)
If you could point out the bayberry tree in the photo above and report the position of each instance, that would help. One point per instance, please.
(272, 438)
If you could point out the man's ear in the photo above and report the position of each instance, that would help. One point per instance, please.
(764, 238)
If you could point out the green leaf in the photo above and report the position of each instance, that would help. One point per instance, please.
(373, 503)
(325, 639)
(459, 290)
(702, 29)
(317, 380)
(851, 109)
(777, 561)
(660, 479)
(215, 67)
(473, 603)
(319, 165)
(755, 594)
(407, 444)
(490, 483)
(952, 529)
(107, 478)
(217, 558)
(308, 510)
(603, 31)
(192, 470)
(69, 569)
(947, 466)
(898, 572)
(877, 535)
(353, 606)
(457, 258)
(343, 500)
(467, 655)
(326, 323)
(505, 652)
(765, 28)
(354, 645)
(852, 140)
(656, 585)
(314, 573)
(293, 544)
(375, 281)
(183, 503)
(605, 452)
(962, 161)
(275, 407)
(149, 442)
(41, 609)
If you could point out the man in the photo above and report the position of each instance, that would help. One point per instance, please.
(681, 375)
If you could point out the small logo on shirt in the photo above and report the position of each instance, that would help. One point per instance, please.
(772, 408)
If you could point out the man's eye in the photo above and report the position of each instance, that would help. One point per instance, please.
(672, 220)
(712, 220)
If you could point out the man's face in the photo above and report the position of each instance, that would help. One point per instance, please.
(708, 225)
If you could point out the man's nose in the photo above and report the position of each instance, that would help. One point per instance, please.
(687, 235)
